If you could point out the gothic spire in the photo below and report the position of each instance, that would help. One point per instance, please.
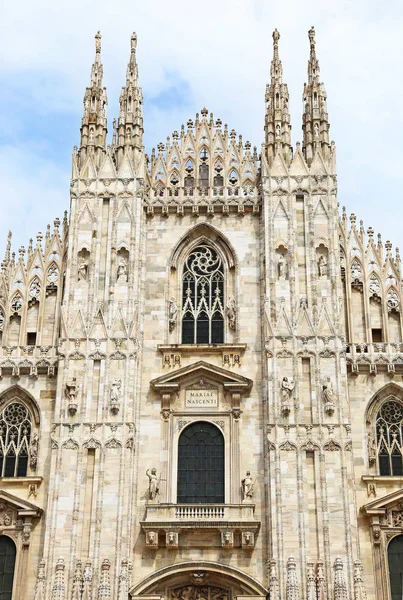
(93, 124)
(277, 120)
(130, 123)
(315, 124)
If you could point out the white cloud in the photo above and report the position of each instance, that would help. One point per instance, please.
(221, 52)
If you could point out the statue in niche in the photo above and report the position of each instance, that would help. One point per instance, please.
(278, 130)
(82, 270)
(153, 483)
(328, 395)
(287, 386)
(172, 314)
(70, 391)
(33, 451)
(247, 485)
(316, 130)
(282, 267)
(322, 265)
(115, 396)
(92, 136)
(231, 312)
(122, 270)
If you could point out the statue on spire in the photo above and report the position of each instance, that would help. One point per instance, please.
(98, 37)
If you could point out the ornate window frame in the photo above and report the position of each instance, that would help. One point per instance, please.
(17, 519)
(386, 522)
(202, 234)
(389, 393)
(16, 394)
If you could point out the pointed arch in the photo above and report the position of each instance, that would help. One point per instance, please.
(16, 392)
(201, 233)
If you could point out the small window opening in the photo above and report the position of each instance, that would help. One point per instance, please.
(377, 335)
(31, 338)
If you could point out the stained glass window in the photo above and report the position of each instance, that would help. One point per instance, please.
(203, 298)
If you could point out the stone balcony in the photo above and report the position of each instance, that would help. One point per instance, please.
(236, 523)
(375, 356)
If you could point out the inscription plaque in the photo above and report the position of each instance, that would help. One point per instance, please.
(201, 398)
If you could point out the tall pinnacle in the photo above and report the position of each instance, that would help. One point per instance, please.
(277, 120)
(315, 124)
(93, 124)
(130, 123)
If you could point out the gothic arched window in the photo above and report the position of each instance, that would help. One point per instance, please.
(201, 465)
(389, 436)
(395, 560)
(7, 564)
(203, 297)
(15, 435)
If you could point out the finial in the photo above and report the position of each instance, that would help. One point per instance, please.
(276, 37)
(133, 42)
(8, 247)
(204, 112)
(98, 42)
(370, 233)
(311, 35)
(56, 223)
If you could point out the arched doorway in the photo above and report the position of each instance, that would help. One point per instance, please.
(198, 581)
(395, 560)
(201, 476)
(7, 564)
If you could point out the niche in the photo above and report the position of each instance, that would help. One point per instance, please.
(322, 257)
(83, 264)
(282, 263)
(122, 269)
(14, 331)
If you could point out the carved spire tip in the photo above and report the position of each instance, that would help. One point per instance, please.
(133, 41)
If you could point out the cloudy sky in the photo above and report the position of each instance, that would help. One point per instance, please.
(213, 53)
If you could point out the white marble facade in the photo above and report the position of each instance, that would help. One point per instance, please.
(308, 351)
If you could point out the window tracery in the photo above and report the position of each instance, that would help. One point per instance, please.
(15, 437)
(203, 297)
(389, 436)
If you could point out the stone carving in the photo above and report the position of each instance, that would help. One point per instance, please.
(152, 539)
(231, 312)
(59, 588)
(82, 270)
(292, 587)
(340, 587)
(316, 130)
(310, 582)
(248, 539)
(77, 582)
(392, 301)
(199, 592)
(87, 580)
(227, 539)
(287, 386)
(123, 586)
(328, 396)
(172, 314)
(33, 451)
(122, 270)
(274, 587)
(70, 391)
(104, 588)
(282, 267)
(40, 587)
(356, 270)
(247, 485)
(172, 539)
(114, 397)
(371, 445)
(322, 265)
(153, 483)
(374, 285)
(359, 591)
(320, 581)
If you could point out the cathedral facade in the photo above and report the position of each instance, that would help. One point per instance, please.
(206, 359)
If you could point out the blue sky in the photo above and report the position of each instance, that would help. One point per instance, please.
(213, 54)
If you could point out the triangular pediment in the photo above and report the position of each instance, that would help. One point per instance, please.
(18, 504)
(381, 505)
(203, 370)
